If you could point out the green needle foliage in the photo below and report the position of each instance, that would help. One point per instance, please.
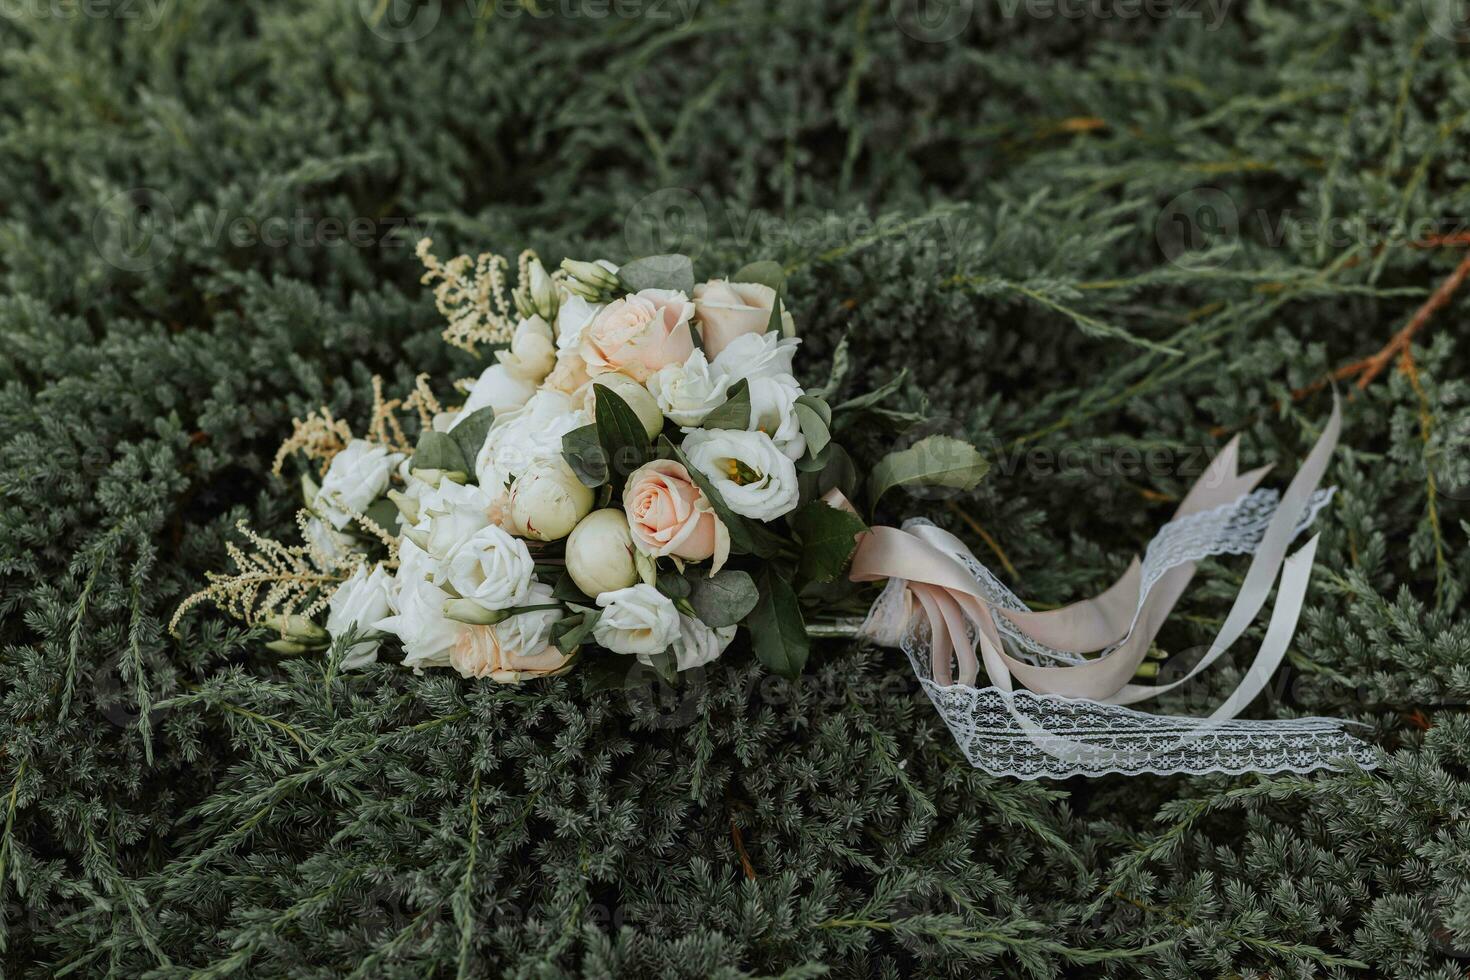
(1100, 243)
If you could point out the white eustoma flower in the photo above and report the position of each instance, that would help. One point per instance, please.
(696, 644)
(357, 476)
(748, 471)
(600, 553)
(490, 568)
(547, 501)
(358, 604)
(418, 618)
(773, 411)
(688, 392)
(638, 620)
(757, 355)
(497, 388)
(532, 432)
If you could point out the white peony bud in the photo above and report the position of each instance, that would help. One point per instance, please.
(547, 500)
(600, 553)
(634, 394)
(638, 620)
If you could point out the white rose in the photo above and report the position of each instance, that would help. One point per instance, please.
(358, 476)
(600, 553)
(757, 355)
(547, 500)
(515, 649)
(639, 620)
(754, 478)
(633, 394)
(418, 618)
(687, 392)
(499, 389)
(696, 644)
(532, 350)
(490, 568)
(773, 411)
(359, 603)
(532, 432)
(450, 513)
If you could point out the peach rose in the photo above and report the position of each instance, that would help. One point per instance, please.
(727, 310)
(668, 515)
(639, 334)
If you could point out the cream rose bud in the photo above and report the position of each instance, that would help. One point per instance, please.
(532, 350)
(516, 649)
(639, 334)
(754, 478)
(696, 644)
(600, 553)
(727, 310)
(638, 620)
(547, 501)
(358, 604)
(499, 389)
(668, 515)
(357, 476)
(634, 394)
(688, 392)
(490, 568)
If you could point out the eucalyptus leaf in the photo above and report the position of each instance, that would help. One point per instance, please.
(722, 599)
(470, 434)
(828, 539)
(735, 412)
(572, 631)
(582, 449)
(876, 396)
(659, 272)
(777, 630)
(624, 440)
(841, 363)
(934, 461)
(813, 425)
(438, 451)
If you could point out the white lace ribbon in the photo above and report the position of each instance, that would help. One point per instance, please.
(1079, 662)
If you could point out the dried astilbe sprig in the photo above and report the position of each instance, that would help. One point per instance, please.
(385, 428)
(272, 579)
(422, 399)
(471, 294)
(319, 436)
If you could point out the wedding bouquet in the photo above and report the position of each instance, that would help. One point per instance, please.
(639, 474)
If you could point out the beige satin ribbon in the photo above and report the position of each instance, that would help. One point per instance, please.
(930, 561)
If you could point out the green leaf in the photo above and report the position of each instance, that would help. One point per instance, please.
(582, 449)
(566, 590)
(841, 362)
(814, 423)
(734, 413)
(934, 461)
(659, 272)
(777, 630)
(723, 599)
(673, 585)
(766, 272)
(875, 396)
(828, 539)
(384, 513)
(624, 440)
(470, 434)
(437, 451)
(573, 631)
